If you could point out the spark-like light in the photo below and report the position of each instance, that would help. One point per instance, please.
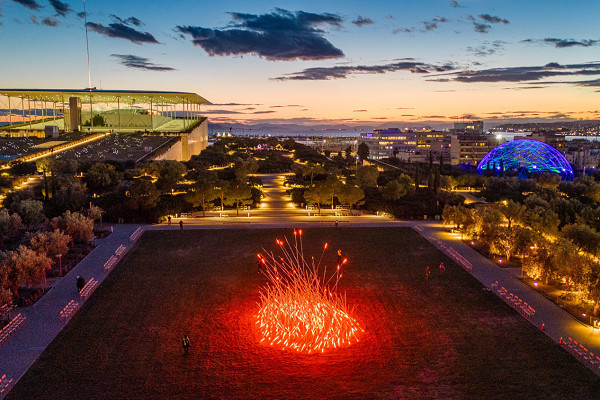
(300, 307)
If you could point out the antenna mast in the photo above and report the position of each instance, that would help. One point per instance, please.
(87, 45)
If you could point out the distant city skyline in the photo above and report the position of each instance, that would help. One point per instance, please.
(309, 62)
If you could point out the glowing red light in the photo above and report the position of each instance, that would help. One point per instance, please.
(300, 308)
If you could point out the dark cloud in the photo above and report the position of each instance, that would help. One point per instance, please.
(31, 4)
(528, 74)
(122, 31)
(135, 62)
(454, 3)
(562, 43)
(487, 48)
(492, 19)
(428, 26)
(359, 110)
(62, 9)
(129, 21)
(481, 28)
(279, 35)
(362, 21)
(484, 27)
(50, 21)
(344, 71)
(80, 15)
(263, 112)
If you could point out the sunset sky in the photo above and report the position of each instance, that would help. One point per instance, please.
(310, 62)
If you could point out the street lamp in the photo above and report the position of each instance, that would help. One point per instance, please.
(59, 263)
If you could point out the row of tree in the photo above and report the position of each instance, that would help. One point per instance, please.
(36, 252)
(564, 256)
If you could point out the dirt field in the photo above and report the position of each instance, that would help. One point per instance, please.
(446, 338)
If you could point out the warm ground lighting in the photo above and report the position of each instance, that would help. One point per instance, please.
(300, 307)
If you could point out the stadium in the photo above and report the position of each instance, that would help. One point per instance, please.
(526, 156)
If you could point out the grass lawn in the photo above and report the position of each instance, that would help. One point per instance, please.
(446, 338)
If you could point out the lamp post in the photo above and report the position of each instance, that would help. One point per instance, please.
(59, 262)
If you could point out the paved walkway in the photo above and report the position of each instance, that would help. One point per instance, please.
(557, 322)
(43, 321)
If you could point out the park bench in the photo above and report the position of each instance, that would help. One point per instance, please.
(120, 251)
(11, 327)
(69, 309)
(88, 289)
(112, 261)
(136, 234)
(5, 383)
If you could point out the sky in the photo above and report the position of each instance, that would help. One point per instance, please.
(358, 63)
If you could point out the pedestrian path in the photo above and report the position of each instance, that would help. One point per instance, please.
(49, 315)
(557, 323)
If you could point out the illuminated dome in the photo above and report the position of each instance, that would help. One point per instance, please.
(526, 156)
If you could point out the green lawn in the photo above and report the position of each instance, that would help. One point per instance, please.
(445, 338)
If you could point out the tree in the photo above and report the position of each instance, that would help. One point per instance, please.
(50, 243)
(511, 210)
(395, 152)
(222, 188)
(101, 176)
(584, 237)
(169, 172)
(319, 193)
(31, 212)
(70, 195)
(34, 265)
(348, 152)
(350, 195)
(203, 191)
(536, 260)
(239, 192)
(77, 225)
(363, 151)
(367, 176)
(94, 213)
(398, 188)
(142, 195)
(43, 165)
(312, 170)
(242, 168)
(9, 225)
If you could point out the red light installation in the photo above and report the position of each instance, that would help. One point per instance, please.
(300, 307)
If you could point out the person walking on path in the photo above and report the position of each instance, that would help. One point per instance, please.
(181, 224)
(339, 255)
(80, 283)
(186, 344)
(427, 272)
(336, 223)
(169, 219)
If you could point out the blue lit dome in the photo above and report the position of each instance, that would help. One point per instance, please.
(526, 156)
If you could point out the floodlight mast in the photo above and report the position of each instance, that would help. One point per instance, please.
(87, 45)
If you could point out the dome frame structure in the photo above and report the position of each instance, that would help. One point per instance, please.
(526, 156)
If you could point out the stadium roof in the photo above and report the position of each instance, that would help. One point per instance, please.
(106, 96)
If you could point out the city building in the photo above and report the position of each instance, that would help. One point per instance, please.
(470, 148)
(468, 127)
(413, 145)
